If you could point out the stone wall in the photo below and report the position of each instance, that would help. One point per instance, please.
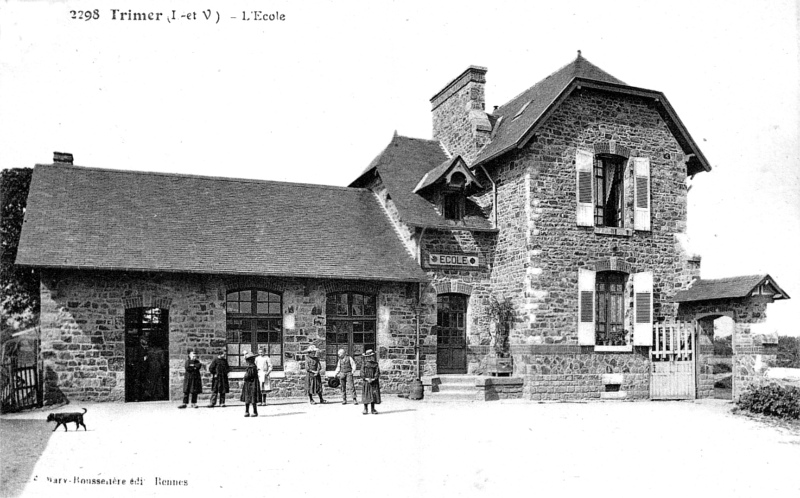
(82, 317)
(577, 373)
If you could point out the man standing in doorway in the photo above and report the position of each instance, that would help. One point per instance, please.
(345, 368)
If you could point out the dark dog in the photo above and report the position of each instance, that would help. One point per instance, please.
(65, 418)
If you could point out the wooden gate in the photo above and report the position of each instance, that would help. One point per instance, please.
(672, 361)
(20, 386)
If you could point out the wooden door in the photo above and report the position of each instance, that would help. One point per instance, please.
(451, 334)
(146, 354)
(672, 361)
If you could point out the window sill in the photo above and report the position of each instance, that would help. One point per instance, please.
(613, 349)
(623, 232)
(357, 373)
(239, 374)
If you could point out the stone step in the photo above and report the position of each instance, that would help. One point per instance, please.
(457, 379)
(456, 395)
(443, 388)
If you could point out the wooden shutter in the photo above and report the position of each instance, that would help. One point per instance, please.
(643, 308)
(586, 312)
(584, 166)
(641, 191)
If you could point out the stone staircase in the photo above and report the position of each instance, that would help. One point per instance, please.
(452, 388)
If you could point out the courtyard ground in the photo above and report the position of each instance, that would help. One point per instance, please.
(412, 449)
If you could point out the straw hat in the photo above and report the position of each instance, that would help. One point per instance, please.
(369, 352)
(312, 350)
(249, 356)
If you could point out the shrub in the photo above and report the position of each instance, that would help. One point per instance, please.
(788, 351)
(772, 399)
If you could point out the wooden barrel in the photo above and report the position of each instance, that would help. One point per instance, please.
(416, 391)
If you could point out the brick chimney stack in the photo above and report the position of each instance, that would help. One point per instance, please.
(459, 116)
(62, 158)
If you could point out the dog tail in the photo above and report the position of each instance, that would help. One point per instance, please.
(84, 411)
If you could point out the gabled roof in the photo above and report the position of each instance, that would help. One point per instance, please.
(441, 171)
(516, 121)
(401, 166)
(729, 288)
(90, 218)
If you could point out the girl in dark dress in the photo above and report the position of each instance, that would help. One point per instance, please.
(251, 388)
(371, 393)
(192, 382)
(313, 377)
(219, 382)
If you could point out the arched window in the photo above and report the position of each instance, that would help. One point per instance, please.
(254, 321)
(610, 309)
(351, 325)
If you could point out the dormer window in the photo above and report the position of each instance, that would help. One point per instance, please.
(453, 206)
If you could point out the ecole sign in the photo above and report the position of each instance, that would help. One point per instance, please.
(469, 260)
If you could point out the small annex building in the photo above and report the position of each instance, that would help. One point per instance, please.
(569, 202)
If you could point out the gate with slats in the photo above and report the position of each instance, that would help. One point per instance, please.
(672, 361)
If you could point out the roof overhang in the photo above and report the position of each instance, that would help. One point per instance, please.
(697, 161)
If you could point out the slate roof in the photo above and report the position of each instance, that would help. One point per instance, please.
(91, 218)
(726, 288)
(401, 166)
(514, 121)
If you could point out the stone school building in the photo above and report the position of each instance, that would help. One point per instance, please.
(569, 202)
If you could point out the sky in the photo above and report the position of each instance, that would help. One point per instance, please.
(314, 97)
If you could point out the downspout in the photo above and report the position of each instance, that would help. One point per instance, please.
(494, 196)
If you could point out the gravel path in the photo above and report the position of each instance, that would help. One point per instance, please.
(412, 449)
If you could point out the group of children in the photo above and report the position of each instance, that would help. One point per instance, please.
(256, 381)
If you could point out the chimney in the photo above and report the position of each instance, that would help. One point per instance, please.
(62, 157)
(459, 117)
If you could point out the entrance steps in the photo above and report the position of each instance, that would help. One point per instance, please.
(452, 387)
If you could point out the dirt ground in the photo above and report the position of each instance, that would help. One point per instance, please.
(412, 449)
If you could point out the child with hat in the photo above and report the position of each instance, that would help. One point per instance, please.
(251, 388)
(313, 378)
(371, 392)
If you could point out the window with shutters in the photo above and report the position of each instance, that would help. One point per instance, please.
(254, 321)
(610, 309)
(351, 320)
(609, 194)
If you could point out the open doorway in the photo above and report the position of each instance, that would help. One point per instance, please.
(719, 329)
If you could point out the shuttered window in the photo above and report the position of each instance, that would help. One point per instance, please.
(643, 309)
(610, 309)
(641, 211)
(586, 315)
(584, 190)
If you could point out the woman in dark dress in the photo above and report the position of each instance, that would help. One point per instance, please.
(192, 382)
(370, 373)
(219, 381)
(251, 388)
(313, 377)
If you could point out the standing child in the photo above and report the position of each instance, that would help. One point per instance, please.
(251, 390)
(192, 382)
(219, 382)
(372, 388)
(313, 378)
(264, 369)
